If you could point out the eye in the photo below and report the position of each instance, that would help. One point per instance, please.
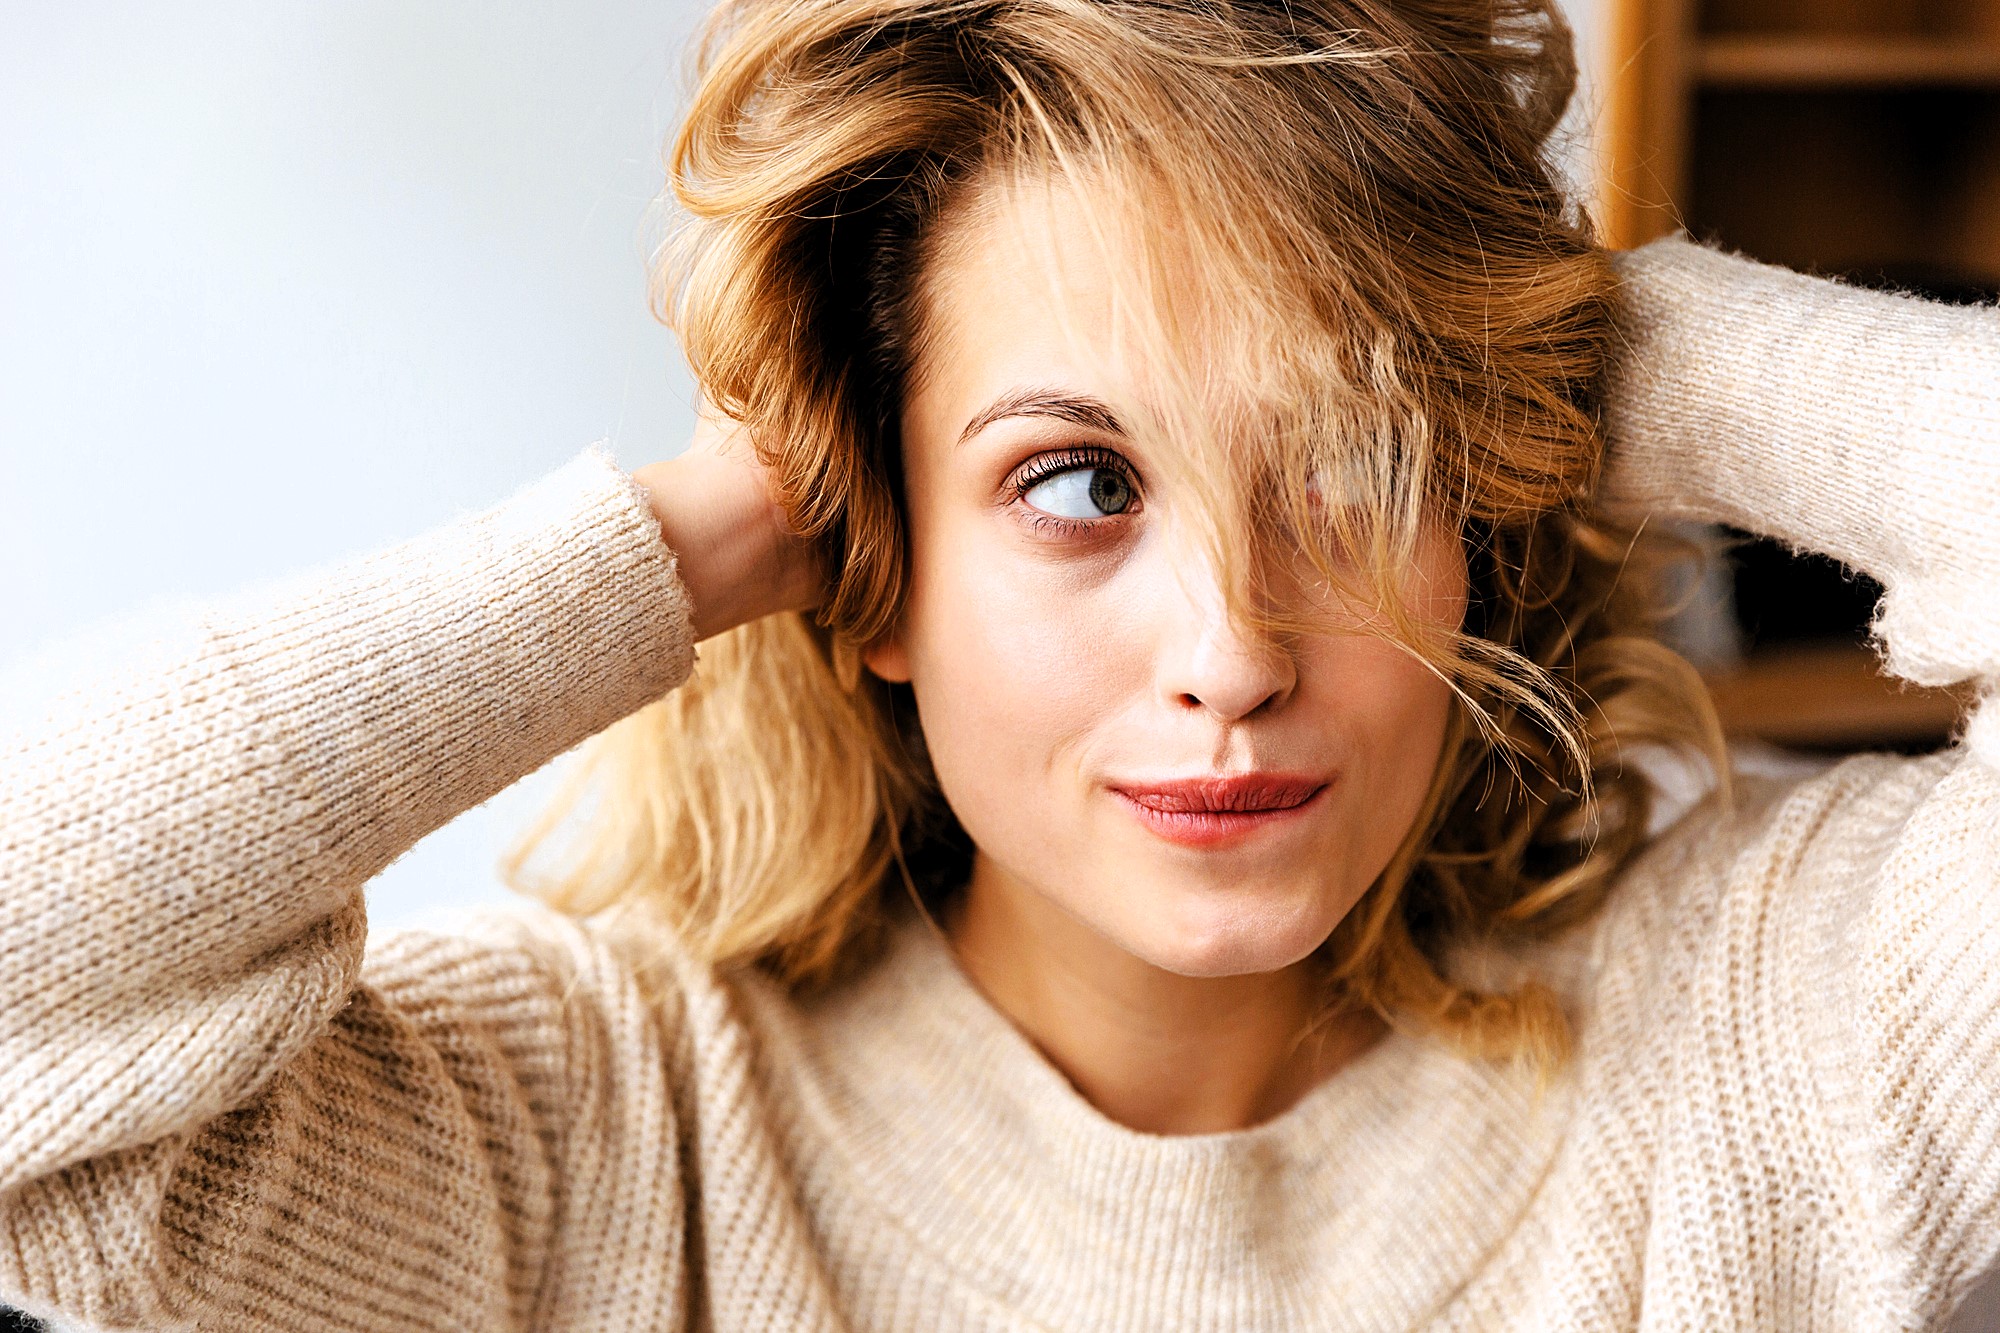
(1077, 486)
(1083, 492)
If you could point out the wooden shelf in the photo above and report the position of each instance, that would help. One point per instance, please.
(1833, 696)
(1810, 61)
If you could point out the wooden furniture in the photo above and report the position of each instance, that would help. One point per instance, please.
(1831, 696)
(1850, 137)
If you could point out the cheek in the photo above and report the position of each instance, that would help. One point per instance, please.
(1433, 587)
(1442, 580)
(1387, 717)
(1393, 711)
(1400, 708)
(1397, 708)
(1016, 663)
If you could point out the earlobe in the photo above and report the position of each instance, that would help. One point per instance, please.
(887, 659)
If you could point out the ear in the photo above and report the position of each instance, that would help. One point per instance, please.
(888, 659)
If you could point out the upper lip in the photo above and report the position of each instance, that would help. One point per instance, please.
(1236, 793)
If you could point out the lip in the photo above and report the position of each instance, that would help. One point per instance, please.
(1212, 811)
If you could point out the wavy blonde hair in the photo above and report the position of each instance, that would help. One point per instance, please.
(1411, 306)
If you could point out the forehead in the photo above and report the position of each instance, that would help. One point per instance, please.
(1016, 291)
(1033, 280)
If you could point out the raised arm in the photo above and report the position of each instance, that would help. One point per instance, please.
(1856, 932)
(1854, 423)
(210, 1110)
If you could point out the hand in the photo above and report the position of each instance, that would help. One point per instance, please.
(738, 556)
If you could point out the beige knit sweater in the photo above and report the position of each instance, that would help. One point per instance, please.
(218, 1111)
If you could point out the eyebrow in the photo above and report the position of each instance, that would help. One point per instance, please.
(1078, 410)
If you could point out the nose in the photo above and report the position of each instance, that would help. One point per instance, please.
(1210, 661)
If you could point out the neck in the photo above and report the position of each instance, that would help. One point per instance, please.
(1151, 1049)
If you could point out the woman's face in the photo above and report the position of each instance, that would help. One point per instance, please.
(1084, 698)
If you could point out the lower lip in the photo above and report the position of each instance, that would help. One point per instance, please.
(1215, 828)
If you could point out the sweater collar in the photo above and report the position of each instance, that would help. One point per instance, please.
(1381, 1189)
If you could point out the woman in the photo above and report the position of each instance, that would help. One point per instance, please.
(1186, 871)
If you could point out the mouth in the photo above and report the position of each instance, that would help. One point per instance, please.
(1212, 811)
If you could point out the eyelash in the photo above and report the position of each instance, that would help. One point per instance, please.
(1043, 466)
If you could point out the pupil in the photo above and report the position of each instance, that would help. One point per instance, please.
(1108, 491)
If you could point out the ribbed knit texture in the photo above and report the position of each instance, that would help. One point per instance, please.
(219, 1110)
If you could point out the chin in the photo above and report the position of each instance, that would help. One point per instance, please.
(1233, 935)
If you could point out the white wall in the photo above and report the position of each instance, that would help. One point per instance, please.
(282, 282)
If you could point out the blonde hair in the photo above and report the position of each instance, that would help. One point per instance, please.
(1412, 307)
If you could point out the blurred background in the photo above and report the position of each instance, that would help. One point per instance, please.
(281, 283)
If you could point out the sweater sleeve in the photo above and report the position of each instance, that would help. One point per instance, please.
(1858, 424)
(213, 1115)
(1865, 426)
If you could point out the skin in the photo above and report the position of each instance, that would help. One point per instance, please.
(1058, 651)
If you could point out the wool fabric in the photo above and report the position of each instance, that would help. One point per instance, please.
(223, 1106)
